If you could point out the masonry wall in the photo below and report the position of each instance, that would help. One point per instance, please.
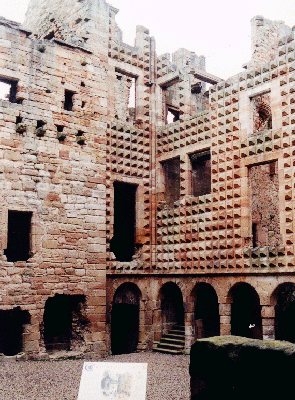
(62, 183)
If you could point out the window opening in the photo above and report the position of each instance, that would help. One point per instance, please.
(69, 100)
(8, 90)
(40, 128)
(50, 35)
(83, 84)
(40, 124)
(83, 104)
(132, 92)
(171, 170)
(19, 236)
(20, 127)
(172, 115)
(122, 243)
(254, 235)
(201, 173)
(64, 322)
(11, 330)
(272, 168)
(262, 116)
(61, 135)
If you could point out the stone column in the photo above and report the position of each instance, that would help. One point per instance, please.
(31, 335)
(142, 327)
(189, 327)
(157, 322)
(225, 319)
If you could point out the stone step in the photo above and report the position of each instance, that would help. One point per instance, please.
(172, 342)
(168, 351)
(168, 345)
(172, 335)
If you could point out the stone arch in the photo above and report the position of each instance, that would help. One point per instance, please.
(206, 311)
(283, 298)
(125, 319)
(172, 309)
(245, 311)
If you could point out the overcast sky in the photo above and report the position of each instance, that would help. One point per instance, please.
(219, 30)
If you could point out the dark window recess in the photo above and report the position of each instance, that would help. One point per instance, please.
(50, 35)
(69, 100)
(40, 124)
(8, 90)
(83, 84)
(59, 128)
(172, 115)
(254, 235)
(19, 235)
(64, 322)
(201, 173)
(272, 168)
(11, 330)
(171, 170)
(83, 104)
(122, 243)
(19, 120)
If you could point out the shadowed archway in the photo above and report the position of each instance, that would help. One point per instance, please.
(245, 311)
(285, 312)
(206, 312)
(125, 319)
(172, 309)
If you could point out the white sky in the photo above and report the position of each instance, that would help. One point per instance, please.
(219, 30)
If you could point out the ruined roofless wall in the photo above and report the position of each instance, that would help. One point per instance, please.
(60, 182)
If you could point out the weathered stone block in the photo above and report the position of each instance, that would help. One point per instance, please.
(232, 367)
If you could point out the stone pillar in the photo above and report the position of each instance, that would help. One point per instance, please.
(185, 175)
(189, 327)
(268, 322)
(157, 322)
(142, 330)
(225, 318)
(31, 335)
(185, 98)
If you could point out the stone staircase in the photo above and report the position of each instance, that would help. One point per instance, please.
(172, 342)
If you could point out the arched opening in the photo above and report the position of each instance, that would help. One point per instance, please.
(245, 312)
(285, 312)
(11, 330)
(171, 306)
(206, 313)
(125, 319)
(64, 322)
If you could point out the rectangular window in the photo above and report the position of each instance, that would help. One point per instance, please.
(69, 100)
(19, 236)
(262, 115)
(122, 243)
(171, 170)
(8, 90)
(201, 173)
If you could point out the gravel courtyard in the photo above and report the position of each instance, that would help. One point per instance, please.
(168, 377)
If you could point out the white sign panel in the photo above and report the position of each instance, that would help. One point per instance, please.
(113, 381)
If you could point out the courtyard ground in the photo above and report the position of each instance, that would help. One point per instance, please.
(168, 377)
